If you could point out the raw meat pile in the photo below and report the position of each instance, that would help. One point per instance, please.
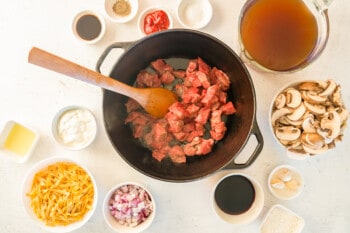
(192, 125)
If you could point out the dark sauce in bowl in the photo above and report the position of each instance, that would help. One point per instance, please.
(88, 27)
(235, 194)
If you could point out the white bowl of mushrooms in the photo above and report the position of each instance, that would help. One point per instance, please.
(308, 117)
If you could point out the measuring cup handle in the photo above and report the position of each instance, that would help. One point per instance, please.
(117, 45)
(260, 143)
(324, 4)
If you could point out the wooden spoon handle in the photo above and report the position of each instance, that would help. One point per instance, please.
(52, 62)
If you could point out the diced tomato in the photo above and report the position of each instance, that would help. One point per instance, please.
(156, 21)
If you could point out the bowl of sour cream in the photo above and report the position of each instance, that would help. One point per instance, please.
(74, 127)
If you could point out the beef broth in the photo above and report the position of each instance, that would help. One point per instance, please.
(279, 35)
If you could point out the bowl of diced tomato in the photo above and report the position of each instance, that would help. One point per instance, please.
(154, 19)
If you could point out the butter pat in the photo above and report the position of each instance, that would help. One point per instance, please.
(17, 142)
(282, 220)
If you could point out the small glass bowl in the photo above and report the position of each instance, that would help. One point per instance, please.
(17, 142)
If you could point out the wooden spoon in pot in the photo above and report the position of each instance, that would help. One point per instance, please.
(154, 100)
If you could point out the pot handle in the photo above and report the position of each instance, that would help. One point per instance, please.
(117, 45)
(260, 143)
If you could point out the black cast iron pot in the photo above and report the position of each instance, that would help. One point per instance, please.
(182, 44)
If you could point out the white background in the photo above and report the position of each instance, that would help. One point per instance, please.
(32, 95)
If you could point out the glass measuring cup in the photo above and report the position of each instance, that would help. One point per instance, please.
(283, 36)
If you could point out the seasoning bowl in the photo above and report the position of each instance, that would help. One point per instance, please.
(88, 26)
(281, 219)
(308, 117)
(74, 127)
(234, 207)
(115, 206)
(142, 20)
(17, 142)
(63, 173)
(194, 14)
(285, 182)
(121, 11)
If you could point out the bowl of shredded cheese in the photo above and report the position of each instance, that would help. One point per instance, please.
(59, 194)
(129, 207)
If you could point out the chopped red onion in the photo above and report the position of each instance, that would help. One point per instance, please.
(130, 205)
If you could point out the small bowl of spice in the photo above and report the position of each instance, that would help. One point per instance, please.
(74, 127)
(154, 19)
(129, 208)
(121, 11)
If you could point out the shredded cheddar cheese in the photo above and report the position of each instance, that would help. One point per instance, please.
(61, 194)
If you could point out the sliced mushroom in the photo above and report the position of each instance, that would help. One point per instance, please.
(331, 122)
(336, 97)
(293, 98)
(343, 113)
(331, 85)
(280, 101)
(313, 97)
(312, 140)
(317, 151)
(315, 108)
(309, 125)
(278, 114)
(286, 121)
(310, 86)
(288, 133)
(297, 113)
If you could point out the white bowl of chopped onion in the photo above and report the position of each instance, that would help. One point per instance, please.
(59, 194)
(129, 208)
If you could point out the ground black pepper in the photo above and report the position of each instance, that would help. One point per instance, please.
(122, 7)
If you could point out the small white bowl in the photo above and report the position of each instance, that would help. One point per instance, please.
(26, 202)
(74, 127)
(194, 14)
(114, 224)
(112, 15)
(285, 182)
(282, 220)
(17, 142)
(250, 214)
(88, 26)
(149, 10)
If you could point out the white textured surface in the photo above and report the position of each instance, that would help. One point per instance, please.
(32, 96)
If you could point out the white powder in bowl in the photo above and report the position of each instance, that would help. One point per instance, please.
(282, 220)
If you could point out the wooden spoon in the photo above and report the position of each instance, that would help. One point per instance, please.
(154, 100)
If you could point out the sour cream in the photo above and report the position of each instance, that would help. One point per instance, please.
(75, 128)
